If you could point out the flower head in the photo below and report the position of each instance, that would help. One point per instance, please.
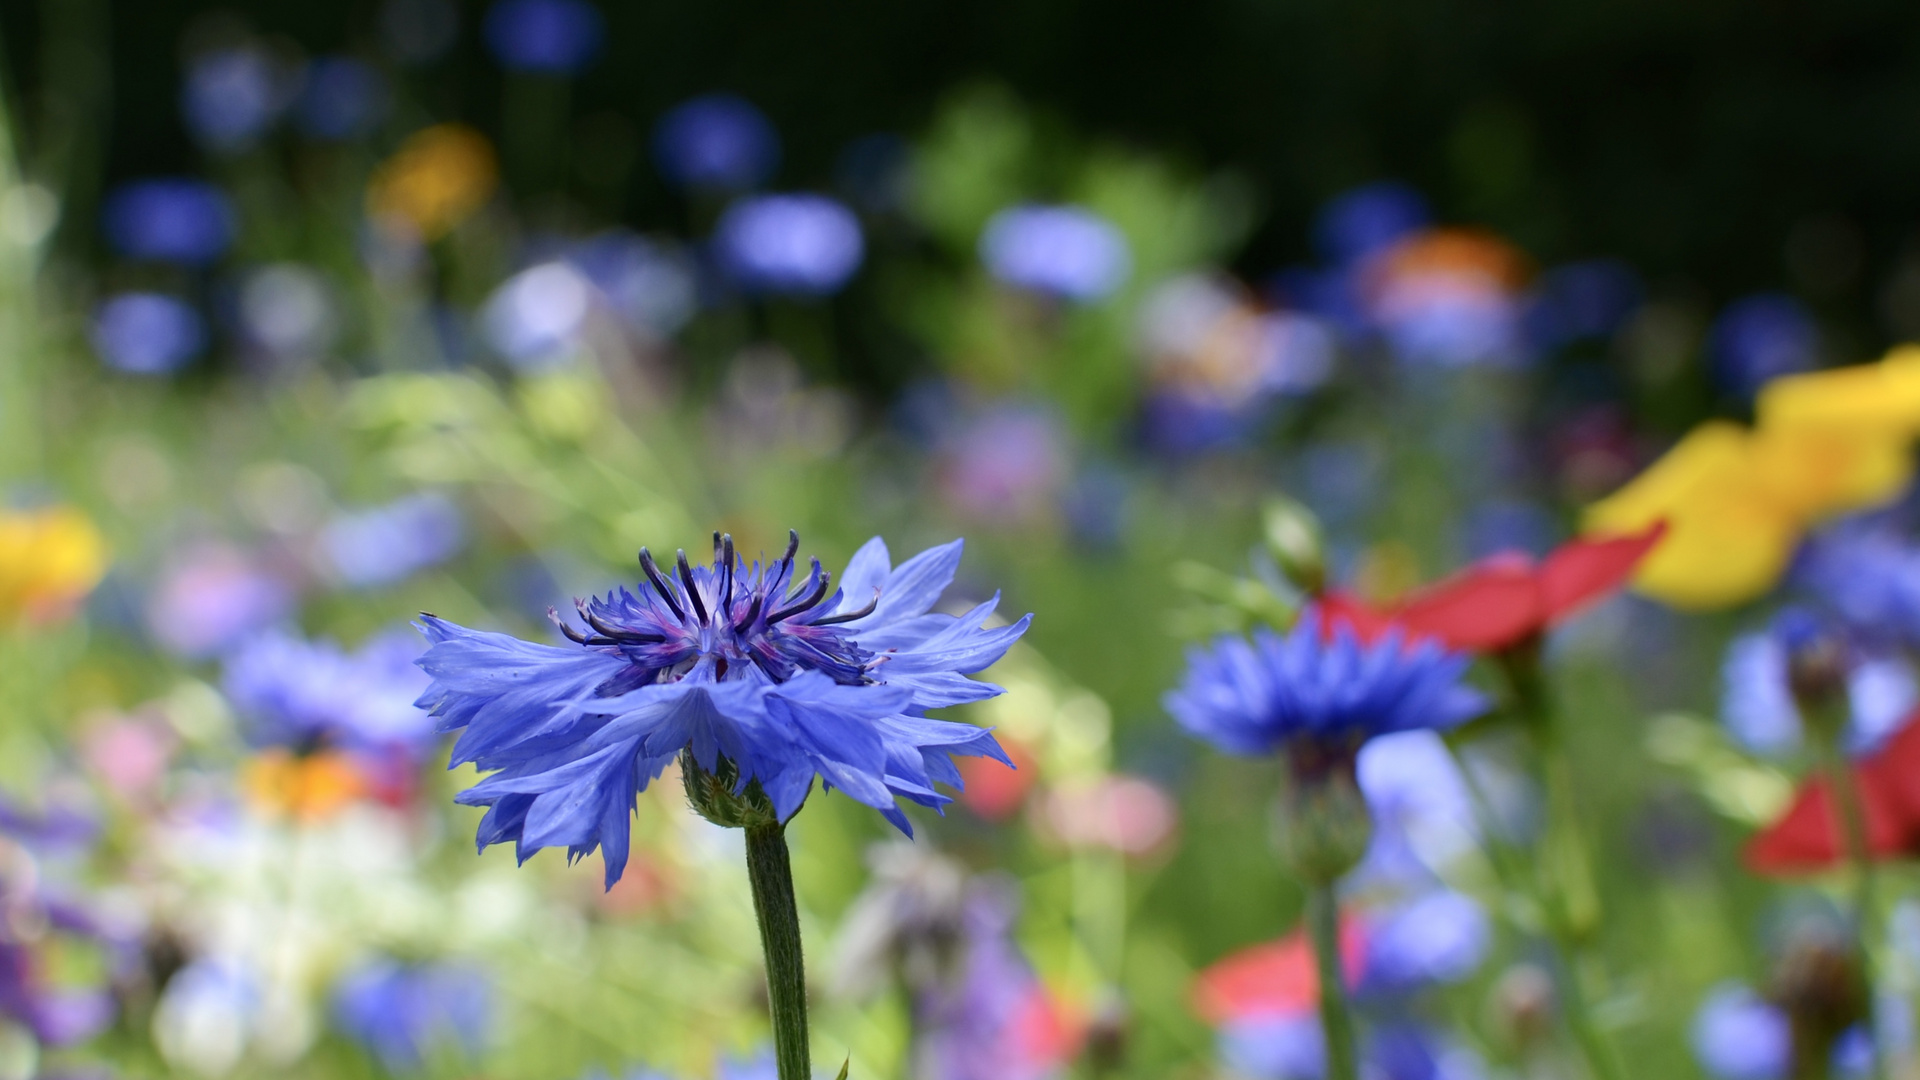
(49, 561)
(400, 1012)
(147, 333)
(436, 180)
(1064, 251)
(759, 673)
(791, 245)
(551, 37)
(716, 142)
(1320, 684)
(178, 221)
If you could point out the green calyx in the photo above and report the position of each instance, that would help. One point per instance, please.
(1323, 825)
(712, 796)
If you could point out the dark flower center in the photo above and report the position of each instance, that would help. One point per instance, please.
(729, 620)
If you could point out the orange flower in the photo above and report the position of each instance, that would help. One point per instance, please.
(436, 180)
(307, 788)
(49, 561)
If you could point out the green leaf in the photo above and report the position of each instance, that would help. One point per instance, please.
(844, 1066)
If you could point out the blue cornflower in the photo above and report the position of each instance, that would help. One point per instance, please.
(1064, 251)
(1757, 702)
(790, 245)
(387, 544)
(307, 694)
(178, 221)
(403, 1012)
(1319, 687)
(716, 142)
(1441, 937)
(1367, 220)
(232, 96)
(147, 333)
(552, 37)
(1762, 337)
(759, 675)
(1868, 576)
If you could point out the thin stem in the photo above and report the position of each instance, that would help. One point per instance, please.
(772, 876)
(1561, 948)
(1336, 1023)
(1853, 829)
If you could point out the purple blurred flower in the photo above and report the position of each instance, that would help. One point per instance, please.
(1064, 251)
(145, 333)
(535, 318)
(180, 221)
(1440, 937)
(718, 142)
(211, 597)
(649, 284)
(57, 1016)
(1006, 464)
(402, 1012)
(551, 37)
(1760, 337)
(1368, 220)
(305, 694)
(995, 1022)
(343, 98)
(232, 96)
(387, 544)
(796, 245)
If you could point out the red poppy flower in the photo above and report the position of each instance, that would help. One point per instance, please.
(1810, 837)
(1499, 602)
(1274, 979)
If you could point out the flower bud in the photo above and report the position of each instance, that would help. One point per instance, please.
(1323, 824)
(1292, 536)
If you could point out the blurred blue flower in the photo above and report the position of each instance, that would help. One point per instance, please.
(179, 221)
(1758, 709)
(798, 245)
(534, 319)
(1582, 300)
(144, 333)
(402, 1012)
(343, 98)
(718, 142)
(210, 597)
(1368, 220)
(781, 675)
(1423, 818)
(388, 544)
(1064, 251)
(1320, 684)
(1293, 1048)
(233, 96)
(1739, 1036)
(1440, 937)
(306, 694)
(287, 311)
(1868, 575)
(552, 37)
(760, 1066)
(650, 284)
(1761, 337)
(987, 1021)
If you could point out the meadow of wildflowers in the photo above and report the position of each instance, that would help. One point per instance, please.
(996, 593)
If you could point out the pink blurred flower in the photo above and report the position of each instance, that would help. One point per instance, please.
(1121, 813)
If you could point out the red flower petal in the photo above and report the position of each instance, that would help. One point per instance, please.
(1274, 979)
(1584, 570)
(993, 791)
(1808, 837)
(1484, 608)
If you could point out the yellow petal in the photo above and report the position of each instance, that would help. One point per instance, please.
(49, 560)
(1713, 455)
(1817, 471)
(1724, 548)
(1883, 396)
(437, 178)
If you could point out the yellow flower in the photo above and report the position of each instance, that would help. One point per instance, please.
(309, 788)
(436, 180)
(1737, 501)
(49, 561)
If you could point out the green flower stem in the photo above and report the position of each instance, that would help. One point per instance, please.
(1336, 1023)
(1853, 830)
(1514, 877)
(772, 875)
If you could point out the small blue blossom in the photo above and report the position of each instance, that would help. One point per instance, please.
(717, 142)
(388, 544)
(535, 318)
(1739, 1036)
(177, 221)
(1758, 709)
(1762, 337)
(232, 96)
(403, 1012)
(1438, 938)
(1064, 251)
(145, 333)
(551, 37)
(1368, 220)
(648, 283)
(305, 694)
(784, 675)
(1319, 684)
(1868, 576)
(795, 245)
(343, 98)
(1292, 1047)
